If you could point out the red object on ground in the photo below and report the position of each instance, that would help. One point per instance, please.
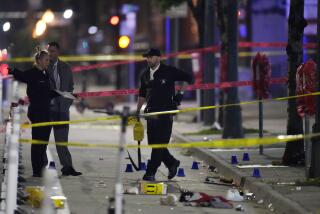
(306, 84)
(261, 70)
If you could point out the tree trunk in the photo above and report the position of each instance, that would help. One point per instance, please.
(209, 63)
(222, 10)
(315, 157)
(294, 152)
(232, 115)
(203, 14)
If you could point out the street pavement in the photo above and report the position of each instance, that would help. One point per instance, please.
(276, 187)
(90, 192)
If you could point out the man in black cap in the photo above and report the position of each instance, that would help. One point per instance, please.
(157, 88)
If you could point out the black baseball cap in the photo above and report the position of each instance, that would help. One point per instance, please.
(152, 52)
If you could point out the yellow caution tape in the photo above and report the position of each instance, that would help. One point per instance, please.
(217, 143)
(132, 120)
(84, 58)
(55, 123)
(138, 57)
(74, 144)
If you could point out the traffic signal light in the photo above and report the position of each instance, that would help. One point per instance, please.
(114, 20)
(124, 41)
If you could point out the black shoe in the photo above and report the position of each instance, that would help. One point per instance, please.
(37, 175)
(148, 177)
(173, 169)
(70, 171)
(21, 179)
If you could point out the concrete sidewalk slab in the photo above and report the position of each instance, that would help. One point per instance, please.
(283, 199)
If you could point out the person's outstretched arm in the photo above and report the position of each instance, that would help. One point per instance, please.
(22, 76)
(183, 76)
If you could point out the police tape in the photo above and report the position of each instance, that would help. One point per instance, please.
(216, 143)
(154, 114)
(203, 86)
(131, 58)
(179, 55)
(57, 123)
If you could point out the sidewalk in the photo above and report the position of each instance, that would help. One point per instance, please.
(276, 185)
(90, 192)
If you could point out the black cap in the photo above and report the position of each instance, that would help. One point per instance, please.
(152, 52)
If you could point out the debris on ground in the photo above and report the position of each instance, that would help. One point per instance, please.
(169, 200)
(239, 207)
(226, 180)
(260, 201)
(131, 190)
(200, 199)
(234, 195)
(217, 181)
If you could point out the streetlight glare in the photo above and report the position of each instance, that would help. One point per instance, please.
(3, 54)
(114, 20)
(124, 41)
(92, 30)
(67, 14)
(48, 16)
(6, 26)
(41, 27)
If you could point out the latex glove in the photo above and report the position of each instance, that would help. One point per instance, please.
(178, 98)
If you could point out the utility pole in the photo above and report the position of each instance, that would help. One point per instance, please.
(315, 157)
(209, 62)
(232, 115)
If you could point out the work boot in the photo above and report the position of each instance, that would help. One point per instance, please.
(70, 171)
(147, 177)
(173, 169)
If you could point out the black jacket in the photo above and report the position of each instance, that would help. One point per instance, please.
(38, 91)
(160, 91)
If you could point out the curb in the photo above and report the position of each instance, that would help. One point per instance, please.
(262, 190)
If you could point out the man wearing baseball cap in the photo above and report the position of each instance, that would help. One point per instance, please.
(157, 88)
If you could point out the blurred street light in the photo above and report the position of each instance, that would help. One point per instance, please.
(92, 29)
(48, 16)
(3, 55)
(124, 41)
(114, 20)
(40, 28)
(67, 14)
(4, 69)
(6, 26)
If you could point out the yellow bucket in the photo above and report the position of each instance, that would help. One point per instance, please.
(138, 131)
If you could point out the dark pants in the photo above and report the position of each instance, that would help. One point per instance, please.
(38, 151)
(61, 133)
(159, 132)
